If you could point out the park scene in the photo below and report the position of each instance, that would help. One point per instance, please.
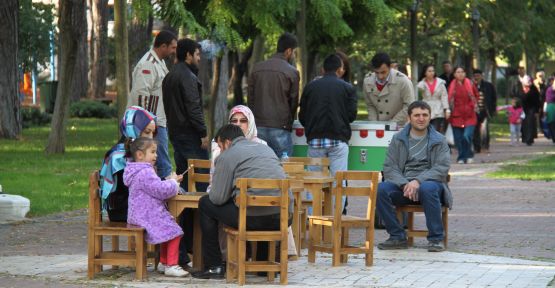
(222, 143)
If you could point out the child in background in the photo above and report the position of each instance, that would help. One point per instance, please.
(147, 198)
(515, 115)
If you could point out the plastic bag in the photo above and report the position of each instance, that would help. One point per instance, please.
(449, 135)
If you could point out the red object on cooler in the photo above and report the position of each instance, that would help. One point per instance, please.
(299, 132)
(379, 133)
(363, 133)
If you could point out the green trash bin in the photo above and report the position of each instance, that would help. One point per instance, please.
(367, 147)
(47, 94)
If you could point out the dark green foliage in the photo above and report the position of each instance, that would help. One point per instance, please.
(34, 117)
(36, 20)
(92, 109)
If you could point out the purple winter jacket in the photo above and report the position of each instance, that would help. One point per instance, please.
(147, 202)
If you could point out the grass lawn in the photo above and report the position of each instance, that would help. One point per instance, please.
(537, 169)
(58, 182)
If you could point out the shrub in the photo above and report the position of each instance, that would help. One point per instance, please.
(33, 117)
(91, 109)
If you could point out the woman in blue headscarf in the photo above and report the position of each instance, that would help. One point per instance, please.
(137, 122)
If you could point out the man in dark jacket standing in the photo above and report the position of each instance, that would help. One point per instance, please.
(273, 95)
(488, 108)
(183, 104)
(186, 127)
(328, 106)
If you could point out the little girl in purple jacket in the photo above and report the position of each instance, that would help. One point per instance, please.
(147, 198)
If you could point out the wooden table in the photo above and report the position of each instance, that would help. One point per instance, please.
(316, 186)
(176, 205)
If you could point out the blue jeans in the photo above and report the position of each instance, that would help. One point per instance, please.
(163, 163)
(339, 157)
(429, 194)
(463, 141)
(278, 139)
(187, 146)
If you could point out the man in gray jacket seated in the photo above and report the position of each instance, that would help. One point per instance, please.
(415, 171)
(240, 158)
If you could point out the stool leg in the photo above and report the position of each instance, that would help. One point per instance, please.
(312, 232)
(272, 258)
(410, 225)
(445, 226)
(344, 243)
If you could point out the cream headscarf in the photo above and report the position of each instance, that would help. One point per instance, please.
(252, 132)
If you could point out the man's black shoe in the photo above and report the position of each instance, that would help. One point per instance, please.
(393, 244)
(215, 272)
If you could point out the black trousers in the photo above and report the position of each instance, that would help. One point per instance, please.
(211, 215)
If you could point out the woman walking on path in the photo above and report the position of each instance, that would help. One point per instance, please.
(137, 122)
(530, 97)
(549, 109)
(463, 100)
(432, 91)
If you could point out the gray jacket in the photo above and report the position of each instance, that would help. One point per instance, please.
(439, 158)
(246, 159)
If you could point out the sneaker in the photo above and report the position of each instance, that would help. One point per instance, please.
(393, 244)
(175, 271)
(434, 246)
(161, 268)
(460, 162)
(469, 161)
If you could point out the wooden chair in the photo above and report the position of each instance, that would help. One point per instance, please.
(324, 165)
(411, 231)
(195, 176)
(98, 229)
(341, 224)
(237, 239)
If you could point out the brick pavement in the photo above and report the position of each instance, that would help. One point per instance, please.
(405, 268)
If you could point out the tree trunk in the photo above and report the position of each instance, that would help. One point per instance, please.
(71, 25)
(239, 72)
(140, 38)
(257, 52)
(216, 66)
(81, 77)
(99, 49)
(122, 56)
(301, 59)
(219, 112)
(10, 117)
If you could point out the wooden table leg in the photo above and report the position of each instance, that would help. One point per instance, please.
(295, 226)
(316, 191)
(328, 210)
(197, 243)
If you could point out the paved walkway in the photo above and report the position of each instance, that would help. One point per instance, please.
(406, 268)
(510, 221)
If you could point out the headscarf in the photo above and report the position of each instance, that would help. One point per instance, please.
(134, 121)
(252, 132)
(526, 80)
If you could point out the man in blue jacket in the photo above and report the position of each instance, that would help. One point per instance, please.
(415, 171)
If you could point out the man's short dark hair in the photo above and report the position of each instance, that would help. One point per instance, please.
(164, 37)
(229, 132)
(477, 71)
(379, 59)
(418, 104)
(286, 41)
(185, 46)
(332, 63)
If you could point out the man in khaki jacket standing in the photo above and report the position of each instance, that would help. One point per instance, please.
(387, 92)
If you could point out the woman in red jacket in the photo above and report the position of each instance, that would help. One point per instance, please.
(463, 98)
